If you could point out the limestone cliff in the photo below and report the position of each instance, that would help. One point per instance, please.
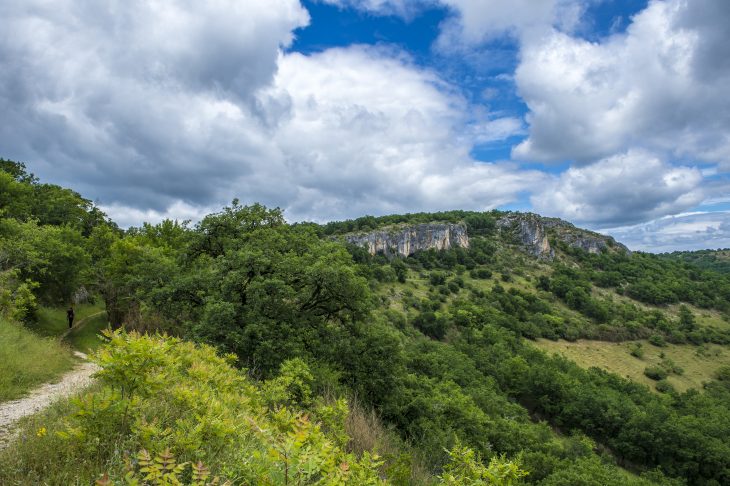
(406, 240)
(531, 231)
(583, 239)
(528, 232)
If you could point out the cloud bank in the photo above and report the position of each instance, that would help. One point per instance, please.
(627, 188)
(662, 85)
(689, 231)
(157, 108)
(171, 109)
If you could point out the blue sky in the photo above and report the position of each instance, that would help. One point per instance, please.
(612, 114)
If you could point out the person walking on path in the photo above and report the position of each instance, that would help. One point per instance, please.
(70, 316)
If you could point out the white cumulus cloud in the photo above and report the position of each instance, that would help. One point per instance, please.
(684, 231)
(159, 109)
(662, 85)
(627, 188)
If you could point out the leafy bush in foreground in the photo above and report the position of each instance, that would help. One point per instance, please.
(187, 405)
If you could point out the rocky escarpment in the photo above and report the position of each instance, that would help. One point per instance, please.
(531, 232)
(407, 240)
(582, 239)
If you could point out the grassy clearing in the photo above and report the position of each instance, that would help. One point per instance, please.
(27, 360)
(85, 338)
(52, 320)
(699, 363)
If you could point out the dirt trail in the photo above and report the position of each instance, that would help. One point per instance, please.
(43, 396)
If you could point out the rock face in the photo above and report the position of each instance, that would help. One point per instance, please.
(591, 242)
(407, 240)
(529, 232)
(581, 238)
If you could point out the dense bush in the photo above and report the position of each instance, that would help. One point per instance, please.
(188, 406)
(656, 372)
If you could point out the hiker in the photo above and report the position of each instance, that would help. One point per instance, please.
(70, 316)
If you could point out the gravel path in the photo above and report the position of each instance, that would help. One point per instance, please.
(43, 396)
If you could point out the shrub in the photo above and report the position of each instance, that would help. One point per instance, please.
(162, 394)
(672, 367)
(465, 468)
(431, 325)
(481, 273)
(656, 372)
(663, 386)
(657, 340)
(636, 350)
(723, 373)
(437, 278)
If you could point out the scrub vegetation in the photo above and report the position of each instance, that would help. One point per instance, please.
(274, 353)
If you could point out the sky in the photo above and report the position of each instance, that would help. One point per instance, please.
(611, 114)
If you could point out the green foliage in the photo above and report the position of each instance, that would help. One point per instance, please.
(400, 269)
(656, 372)
(163, 394)
(481, 273)
(657, 340)
(163, 470)
(297, 311)
(723, 373)
(131, 364)
(17, 301)
(52, 256)
(716, 260)
(481, 222)
(591, 471)
(437, 278)
(659, 280)
(664, 386)
(23, 198)
(465, 469)
(291, 387)
(636, 350)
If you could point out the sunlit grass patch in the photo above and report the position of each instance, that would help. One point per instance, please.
(700, 363)
(52, 320)
(27, 360)
(86, 337)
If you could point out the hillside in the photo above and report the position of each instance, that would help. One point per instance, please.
(434, 322)
(717, 260)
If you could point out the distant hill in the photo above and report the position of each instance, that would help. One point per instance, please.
(717, 260)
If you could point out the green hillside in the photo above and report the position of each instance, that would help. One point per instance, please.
(452, 349)
(718, 260)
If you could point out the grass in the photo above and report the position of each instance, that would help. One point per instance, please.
(85, 338)
(40, 456)
(32, 354)
(27, 360)
(52, 320)
(699, 363)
